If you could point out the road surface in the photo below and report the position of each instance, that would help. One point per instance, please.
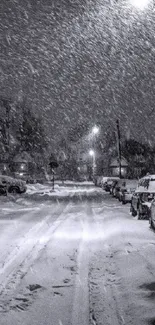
(79, 261)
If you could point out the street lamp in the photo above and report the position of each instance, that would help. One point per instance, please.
(140, 4)
(92, 154)
(95, 130)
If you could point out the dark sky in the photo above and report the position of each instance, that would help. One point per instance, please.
(77, 61)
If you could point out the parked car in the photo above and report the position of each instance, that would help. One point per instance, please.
(103, 181)
(98, 180)
(144, 206)
(143, 197)
(112, 188)
(127, 189)
(117, 188)
(13, 185)
(152, 215)
(108, 184)
(134, 204)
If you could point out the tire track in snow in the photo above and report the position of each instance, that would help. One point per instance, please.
(103, 280)
(23, 256)
(104, 293)
(80, 311)
(11, 232)
(17, 229)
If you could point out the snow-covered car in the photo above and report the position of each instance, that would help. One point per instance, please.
(112, 188)
(144, 206)
(108, 184)
(97, 180)
(134, 204)
(144, 194)
(117, 188)
(152, 214)
(103, 181)
(13, 185)
(127, 189)
(106, 179)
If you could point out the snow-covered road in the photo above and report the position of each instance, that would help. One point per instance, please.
(78, 261)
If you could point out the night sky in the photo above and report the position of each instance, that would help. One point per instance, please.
(81, 61)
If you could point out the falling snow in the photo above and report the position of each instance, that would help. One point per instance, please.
(81, 61)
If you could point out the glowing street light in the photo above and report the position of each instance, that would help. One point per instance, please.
(95, 129)
(140, 4)
(91, 152)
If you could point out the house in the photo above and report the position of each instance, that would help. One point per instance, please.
(22, 165)
(115, 167)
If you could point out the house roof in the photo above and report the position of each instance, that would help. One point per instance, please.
(23, 157)
(115, 162)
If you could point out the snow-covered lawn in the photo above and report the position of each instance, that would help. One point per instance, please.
(84, 261)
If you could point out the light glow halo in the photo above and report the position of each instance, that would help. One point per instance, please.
(140, 4)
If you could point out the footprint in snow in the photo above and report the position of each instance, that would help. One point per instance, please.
(66, 280)
(58, 293)
(33, 287)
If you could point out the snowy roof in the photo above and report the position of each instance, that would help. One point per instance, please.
(115, 162)
(23, 157)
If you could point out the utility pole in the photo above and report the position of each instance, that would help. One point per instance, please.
(8, 128)
(119, 147)
(53, 164)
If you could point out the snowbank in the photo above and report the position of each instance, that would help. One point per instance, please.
(69, 189)
(44, 192)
